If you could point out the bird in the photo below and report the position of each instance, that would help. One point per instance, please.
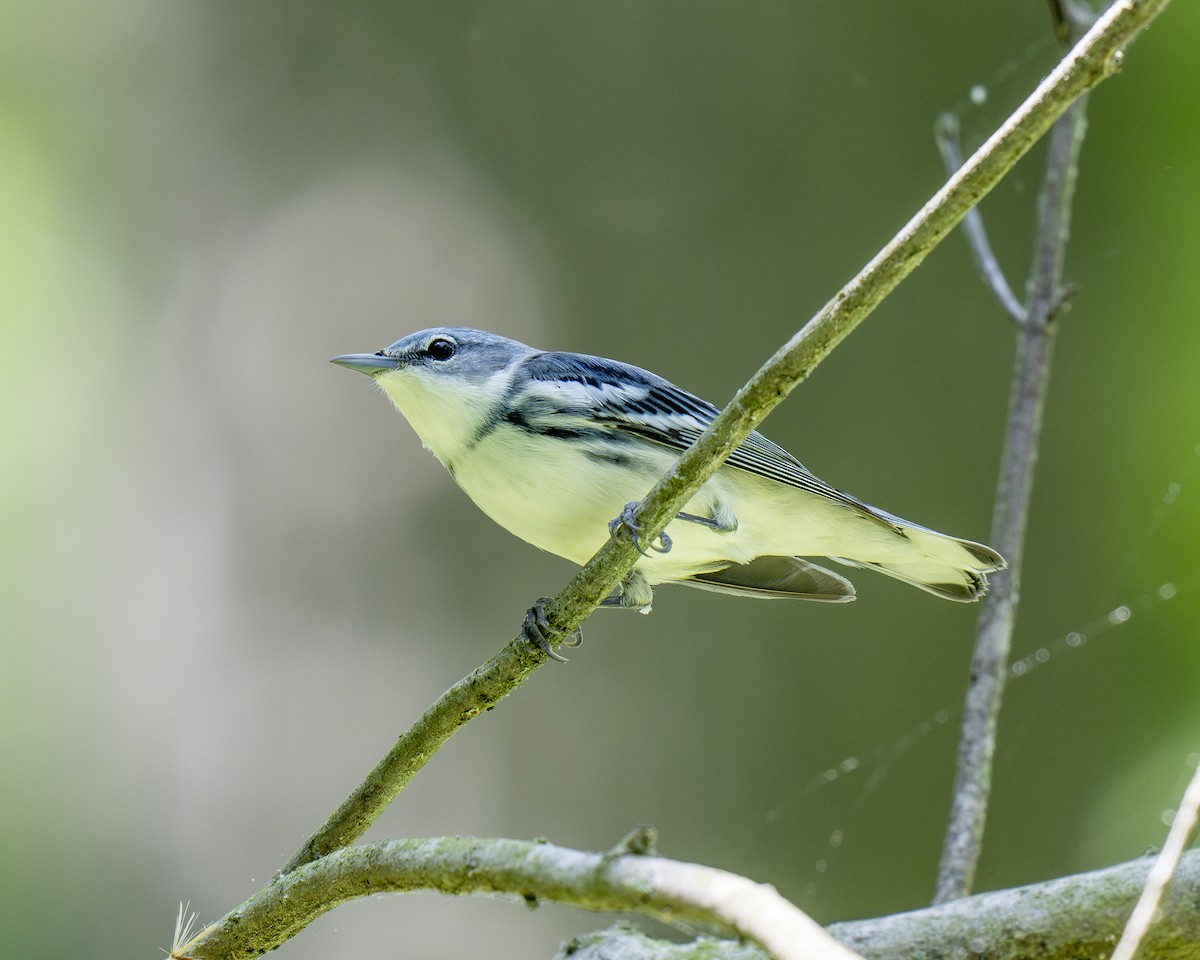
(558, 448)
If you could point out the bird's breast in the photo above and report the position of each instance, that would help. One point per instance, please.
(558, 495)
(561, 495)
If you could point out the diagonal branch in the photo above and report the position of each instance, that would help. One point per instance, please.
(1166, 867)
(1097, 56)
(950, 147)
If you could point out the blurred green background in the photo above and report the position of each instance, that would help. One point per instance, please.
(231, 576)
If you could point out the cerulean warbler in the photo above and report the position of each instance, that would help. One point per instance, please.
(554, 446)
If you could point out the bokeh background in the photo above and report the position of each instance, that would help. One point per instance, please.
(231, 575)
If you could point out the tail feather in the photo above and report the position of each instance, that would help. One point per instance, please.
(939, 564)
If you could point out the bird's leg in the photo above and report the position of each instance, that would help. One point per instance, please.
(723, 519)
(626, 520)
(632, 593)
(534, 628)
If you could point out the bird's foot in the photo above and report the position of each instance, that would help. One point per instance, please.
(632, 593)
(535, 626)
(635, 530)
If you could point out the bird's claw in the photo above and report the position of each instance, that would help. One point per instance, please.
(625, 519)
(535, 626)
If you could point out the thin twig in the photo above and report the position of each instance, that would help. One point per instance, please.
(1165, 866)
(989, 663)
(669, 890)
(949, 143)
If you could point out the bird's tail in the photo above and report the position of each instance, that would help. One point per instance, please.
(942, 565)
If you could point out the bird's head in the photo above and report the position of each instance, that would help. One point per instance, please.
(446, 381)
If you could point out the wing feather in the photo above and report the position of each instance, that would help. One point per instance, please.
(635, 401)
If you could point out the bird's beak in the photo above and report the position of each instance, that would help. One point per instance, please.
(369, 363)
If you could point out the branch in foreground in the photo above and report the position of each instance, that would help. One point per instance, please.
(1074, 917)
(1095, 57)
(531, 872)
(1078, 916)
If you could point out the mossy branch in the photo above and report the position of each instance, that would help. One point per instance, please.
(1077, 916)
(1071, 918)
(618, 881)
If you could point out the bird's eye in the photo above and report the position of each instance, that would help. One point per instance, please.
(440, 348)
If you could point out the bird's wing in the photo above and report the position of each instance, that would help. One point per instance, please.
(771, 577)
(634, 401)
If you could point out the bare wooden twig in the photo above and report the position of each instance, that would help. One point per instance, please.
(949, 144)
(989, 663)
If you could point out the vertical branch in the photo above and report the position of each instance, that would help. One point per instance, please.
(989, 663)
